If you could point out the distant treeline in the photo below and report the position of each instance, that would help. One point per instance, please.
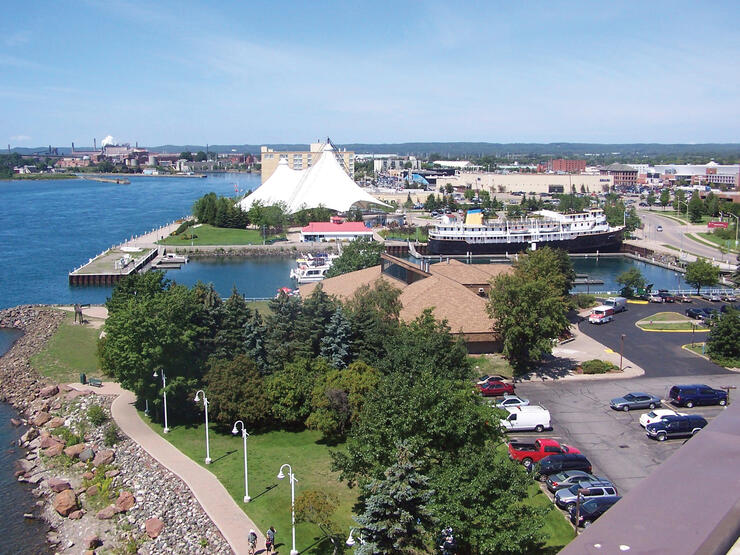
(470, 149)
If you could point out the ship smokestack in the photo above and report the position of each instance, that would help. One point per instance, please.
(95, 144)
(73, 148)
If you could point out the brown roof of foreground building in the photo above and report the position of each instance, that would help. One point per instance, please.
(451, 291)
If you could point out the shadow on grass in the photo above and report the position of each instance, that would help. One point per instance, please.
(267, 490)
(224, 456)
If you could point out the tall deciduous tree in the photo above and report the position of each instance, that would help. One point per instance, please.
(551, 265)
(701, 273)
(236, 392)
(528, 314)
(696, 208)
(665, 198)
(723, 342)
(356, 255)
(631, 280)
(290, 388)
(396, 518)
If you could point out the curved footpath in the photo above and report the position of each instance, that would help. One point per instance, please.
(231, 520)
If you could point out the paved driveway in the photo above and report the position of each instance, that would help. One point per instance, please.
(612, 440)
(659, 354)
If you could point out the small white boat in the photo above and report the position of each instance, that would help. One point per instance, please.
(309, 274)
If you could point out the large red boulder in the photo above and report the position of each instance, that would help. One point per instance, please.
(65, 502)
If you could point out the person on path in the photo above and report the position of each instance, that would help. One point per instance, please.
(270, 539)
(252, 538)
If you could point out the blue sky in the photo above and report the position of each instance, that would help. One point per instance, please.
(274, 72)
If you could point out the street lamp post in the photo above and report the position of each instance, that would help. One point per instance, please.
(293, 480)
(621, 351)
(351, 540)
(205, 404)
(245, 435)
(737, 224)
(164, 397)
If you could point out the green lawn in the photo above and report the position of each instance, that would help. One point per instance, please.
(71, 350)
(270, 505)
(260, 306)
(491, 364)
(696, 348)
(664, 317)
(670, 326)
(208, 235)
(682, 216)
(726, 243)
(420, 233)
(557, 529)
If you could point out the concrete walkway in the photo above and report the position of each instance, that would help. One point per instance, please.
(233, 523)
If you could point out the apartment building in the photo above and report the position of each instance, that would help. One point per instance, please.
(302, 160)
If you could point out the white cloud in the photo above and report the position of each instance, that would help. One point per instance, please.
(20, 138)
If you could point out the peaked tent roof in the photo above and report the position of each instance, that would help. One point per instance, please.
(324, 184)
(276, 189)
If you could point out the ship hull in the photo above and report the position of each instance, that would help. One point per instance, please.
(609, 241)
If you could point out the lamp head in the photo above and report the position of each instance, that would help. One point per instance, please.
(350, 541)
(280, 475)
(234, 430)
(155, 375)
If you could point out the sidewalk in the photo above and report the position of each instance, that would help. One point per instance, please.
(233, 523)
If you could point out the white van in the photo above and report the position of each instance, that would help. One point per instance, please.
(533, 417)
(619, 304)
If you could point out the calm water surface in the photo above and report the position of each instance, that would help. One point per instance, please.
(18, 534)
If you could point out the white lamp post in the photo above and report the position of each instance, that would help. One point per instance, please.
(351, 540)
(245, 435)
(164, 396)
(293, 480)
(205, 404)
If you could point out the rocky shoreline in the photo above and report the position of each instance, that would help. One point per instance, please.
(95, 487)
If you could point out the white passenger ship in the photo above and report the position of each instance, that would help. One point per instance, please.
(581, 232)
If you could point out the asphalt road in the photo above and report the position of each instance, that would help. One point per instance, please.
(613, 441)
(673, 234)
(658, 353)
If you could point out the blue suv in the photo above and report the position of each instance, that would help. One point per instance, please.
(697, 394)
(675, 426)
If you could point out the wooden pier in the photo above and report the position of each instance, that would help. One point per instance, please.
(111, 266)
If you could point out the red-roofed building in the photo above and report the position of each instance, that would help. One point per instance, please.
(336, 230)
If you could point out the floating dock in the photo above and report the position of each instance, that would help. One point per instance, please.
(111, 266)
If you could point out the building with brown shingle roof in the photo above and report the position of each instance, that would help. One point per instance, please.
(455, 291)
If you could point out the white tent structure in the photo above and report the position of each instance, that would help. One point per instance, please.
(323, 184)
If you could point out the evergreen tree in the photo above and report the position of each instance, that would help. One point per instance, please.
(396, 519)
(285, 339)
(335, 345)
(254, 341)
(374, 315)
(232, 316)
(317, 311)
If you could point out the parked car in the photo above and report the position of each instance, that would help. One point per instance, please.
(696, 394)
(592, 509)
(728, 296)
(531, 417)
(684, 298)
(667, 296)
(709, 296)
(675, 426)
(655, 298)
(656, 415)
(495, 388)
(696, 313)
(566, 479)
(491, 378)
(512, 401)
(635, 401)
(559, 463)
(566, 497)
(619, 304)
(531, 453)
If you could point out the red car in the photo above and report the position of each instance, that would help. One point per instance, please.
(495, 388)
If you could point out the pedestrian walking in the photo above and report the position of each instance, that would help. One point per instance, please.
(252, 539)
(270, 539)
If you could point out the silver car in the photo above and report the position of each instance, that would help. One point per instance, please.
(567, 479)
(566, 497)
(635, 401)
(512, 401)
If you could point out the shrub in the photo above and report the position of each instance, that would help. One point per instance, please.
(597, 366)
(110, 435)
(584, 300)
(96, 415)
(69, 437)
(183, 226)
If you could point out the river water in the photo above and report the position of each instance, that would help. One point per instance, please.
(18, 534)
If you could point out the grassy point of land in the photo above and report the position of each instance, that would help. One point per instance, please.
(665, 317)
(718, 242)
(270, 505)
(683, 219)
(70, 351)
(207, 235)
(696, 348)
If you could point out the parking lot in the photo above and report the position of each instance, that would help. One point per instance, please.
(658, 353)
(613, 441)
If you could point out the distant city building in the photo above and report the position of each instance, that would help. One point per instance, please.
(623, 175)
(302, 160)
(528, 182)
(566, 166)
(456, 164)
(702, 174)
(386, 164)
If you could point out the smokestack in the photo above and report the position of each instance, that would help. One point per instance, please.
(95, 144)
(49, 149)
(137, 144)
(73, 148)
